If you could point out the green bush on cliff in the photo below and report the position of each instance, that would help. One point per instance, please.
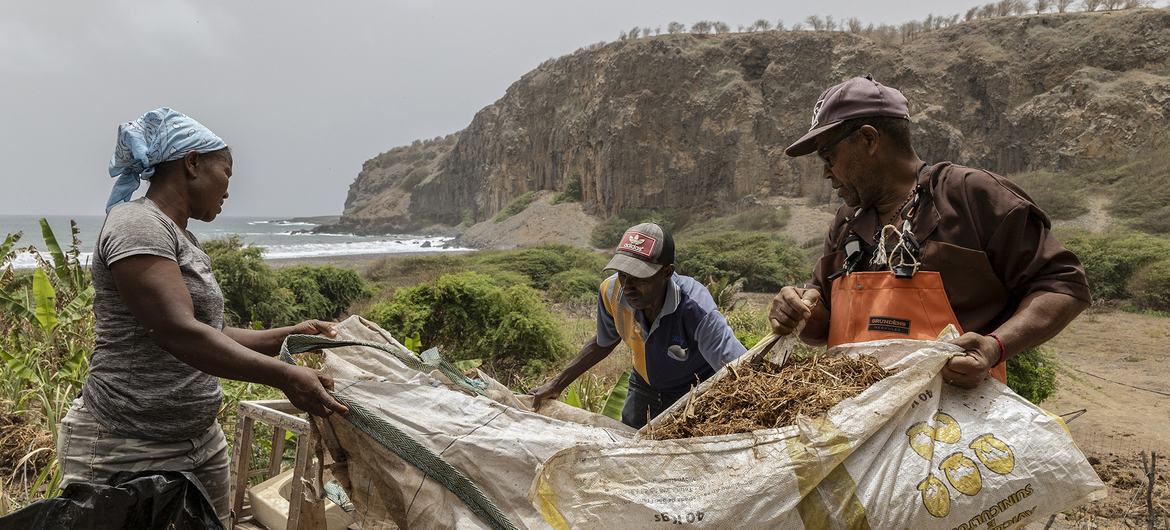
(516, 206)
(766, 262)
(469, 316)
(1061, 196)
(1143, 200)
(572, 191)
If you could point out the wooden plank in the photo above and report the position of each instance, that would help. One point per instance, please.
(296, 495)
(243, 457)
(277, 452)
(281, 405)
(276, 418)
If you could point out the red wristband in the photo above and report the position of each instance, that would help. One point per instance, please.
(1002, 350)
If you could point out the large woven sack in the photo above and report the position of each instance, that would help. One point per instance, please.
(909, 452)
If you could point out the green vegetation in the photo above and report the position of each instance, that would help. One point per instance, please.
(1142, 193)
(574, 285)
(765, 262)
(255, 295)
(1111, 259)
(749, 322)
(1150, 286)
(46, 336)
(607, 234)
(540, 263)
(516, 206)
(1061, 196)
(754, 219)
(324, 292)
(469, 316)
(572, 191)
(1032, 374)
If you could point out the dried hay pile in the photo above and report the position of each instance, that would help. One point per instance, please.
(761, 395)
(24, 445)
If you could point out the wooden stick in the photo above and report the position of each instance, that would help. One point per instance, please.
(243, 457)
(274, 460)
(1148, 466)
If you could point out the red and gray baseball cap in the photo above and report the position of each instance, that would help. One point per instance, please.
(860, 97)
(643, 251)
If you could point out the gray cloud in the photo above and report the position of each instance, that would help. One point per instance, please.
(304, 92)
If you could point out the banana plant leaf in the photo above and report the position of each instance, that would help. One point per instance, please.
(617, 397)
(45, 300)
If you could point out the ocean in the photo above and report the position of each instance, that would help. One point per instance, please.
(275, 235)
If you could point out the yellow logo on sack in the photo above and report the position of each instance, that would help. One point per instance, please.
(994, 453)
(961, 471)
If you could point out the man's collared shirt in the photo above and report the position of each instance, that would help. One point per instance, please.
(686, 343)
(987, 239)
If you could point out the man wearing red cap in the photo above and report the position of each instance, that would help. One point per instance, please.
(916, 246)
(669, 321)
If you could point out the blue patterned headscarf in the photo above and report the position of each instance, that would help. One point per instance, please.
(160, 135)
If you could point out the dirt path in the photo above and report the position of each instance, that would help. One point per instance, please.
(1102, 357)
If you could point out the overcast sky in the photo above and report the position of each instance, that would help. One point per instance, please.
(304, 92)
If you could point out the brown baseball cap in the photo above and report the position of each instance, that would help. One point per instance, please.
(860, 97)
(643, 251)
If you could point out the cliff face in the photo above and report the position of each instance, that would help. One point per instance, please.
(701, 121)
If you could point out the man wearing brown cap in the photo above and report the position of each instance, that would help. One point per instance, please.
(669, 321)
(916, 246)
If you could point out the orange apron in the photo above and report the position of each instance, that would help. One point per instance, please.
(877, 305)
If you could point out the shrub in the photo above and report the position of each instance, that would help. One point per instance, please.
(753, 219)
(607, 234)
(750, 324)
(1032, 374)
(1144, 201)
(468, 316)
(1061, 196)
(1112, 258)
(321, 292)
(572, 191)
(765, 262)
(1150, 286)
(574, 285)
(251, 294)
(540, 263)
(409, 270)
(760, 218)
(46, 336)
(255, 295)
(516, 206)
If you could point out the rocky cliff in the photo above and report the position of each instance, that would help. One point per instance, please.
(701, 121)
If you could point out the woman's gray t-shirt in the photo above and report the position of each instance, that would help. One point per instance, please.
(135, 388)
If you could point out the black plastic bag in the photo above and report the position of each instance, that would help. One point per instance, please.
(133, 501)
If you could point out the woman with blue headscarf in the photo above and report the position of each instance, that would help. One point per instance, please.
(152, 393)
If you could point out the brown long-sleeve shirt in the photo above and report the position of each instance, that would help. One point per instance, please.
(987, 239)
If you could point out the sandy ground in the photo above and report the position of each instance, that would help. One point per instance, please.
(541, 222)
(1103, 356)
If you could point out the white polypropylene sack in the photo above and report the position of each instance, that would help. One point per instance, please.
(569, 468)
(496, 440)
(909, 452)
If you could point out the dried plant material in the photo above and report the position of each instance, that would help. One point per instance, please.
(761, 395)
